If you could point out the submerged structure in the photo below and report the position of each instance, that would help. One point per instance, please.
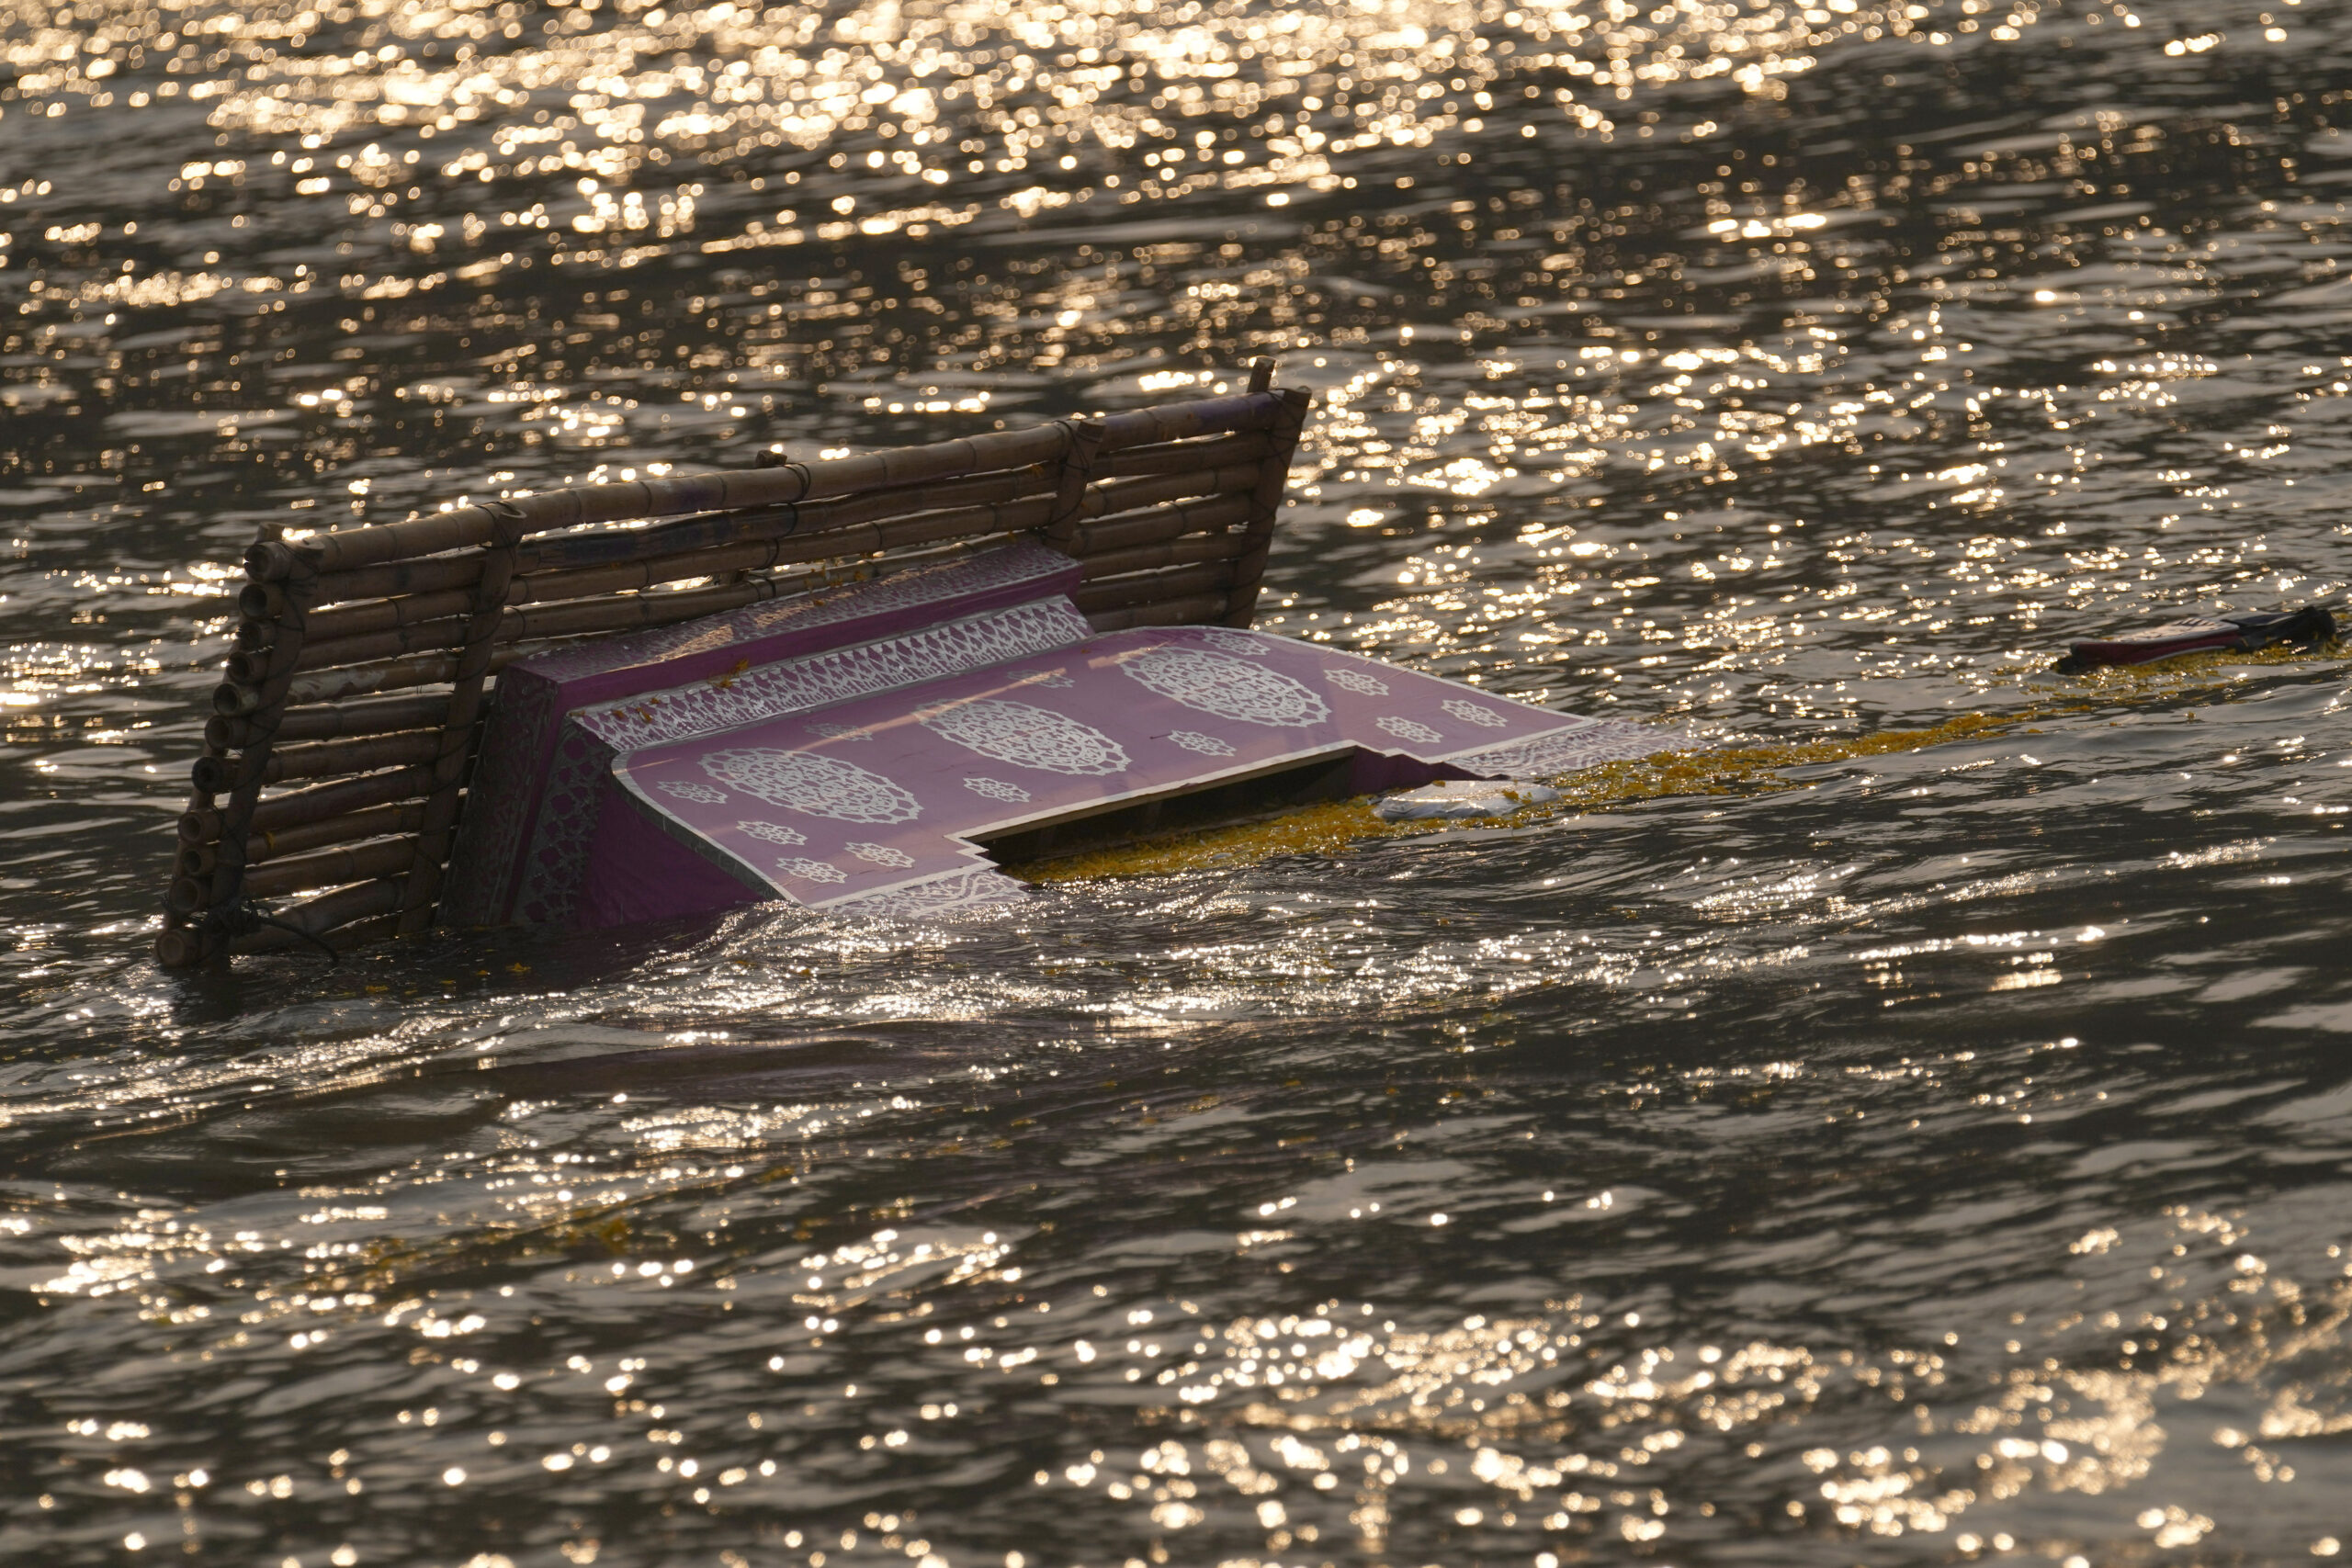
(857, 685)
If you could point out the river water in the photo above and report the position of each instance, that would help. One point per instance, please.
(1890, 1152)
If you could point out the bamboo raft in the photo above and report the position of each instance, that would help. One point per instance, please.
(343, 733)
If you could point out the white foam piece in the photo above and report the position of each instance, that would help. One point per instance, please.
(1463, 799)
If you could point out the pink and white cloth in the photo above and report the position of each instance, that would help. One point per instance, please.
(854, 749)
(532, 805)
(876, 797)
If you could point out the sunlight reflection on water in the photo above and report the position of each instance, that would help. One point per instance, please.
(1926, 1151)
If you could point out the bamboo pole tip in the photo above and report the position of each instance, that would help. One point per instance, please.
(260, 601)
(235, 699)
(1262, 373)
(185, 897)
(269, 560)
(179, 949)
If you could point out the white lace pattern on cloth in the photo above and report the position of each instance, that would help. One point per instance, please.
(556, 865)
(1472, 713)
(996, 789)
(971, 887)
(772, 832)
(1409, 730)
(1206, 745)
(594, 737)
(880, 854)
(811, 870)
(1226, 687)
(1024, 562)
(704, 708)
(1027, 737)
(811, 783)
(1358, 681)
(700, 794)
(1565, 750)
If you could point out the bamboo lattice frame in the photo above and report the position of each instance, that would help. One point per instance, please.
(336, 762)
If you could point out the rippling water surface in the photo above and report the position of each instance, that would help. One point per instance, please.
(1918, 1152)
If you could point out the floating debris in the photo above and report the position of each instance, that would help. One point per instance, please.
(2310, 627)
(1463, 799)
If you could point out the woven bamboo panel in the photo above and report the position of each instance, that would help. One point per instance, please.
(345, 727)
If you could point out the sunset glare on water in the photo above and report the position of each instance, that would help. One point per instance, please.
(1810, 1149)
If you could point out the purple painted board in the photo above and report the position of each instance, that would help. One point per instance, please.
(570, 833)
(518, 750)
(883, 796)
(647, 874)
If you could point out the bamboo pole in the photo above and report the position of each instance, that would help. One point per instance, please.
(1195, 610)
(373, 822)
(1031, 512)
(1182, 457)
(471, 527)
(415, 574)
(320, 803)
(327, 685)
(334, 799)
(755, 555)
(321, 759)
(319, 915)
(435, 574)
(910, 533)
(221, 887)
(682, 535)
(199, 859)
(1266, 501)
(633, 612)
(424, 637)
(1143, 588)
(360, 680)
(179, 947)
(326, 721)
(1160, 523)
(330, 868)
(686, 536)
(1187, 551)
(389, 615)
(260, 601)
(643, 612)
(585, 609)
(1077, 482)
(422, 885)
(606, 546)
(1175, 422)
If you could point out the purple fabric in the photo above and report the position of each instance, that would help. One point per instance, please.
(641, 869)
(555, 866)
(880, 793)
(504, 802)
